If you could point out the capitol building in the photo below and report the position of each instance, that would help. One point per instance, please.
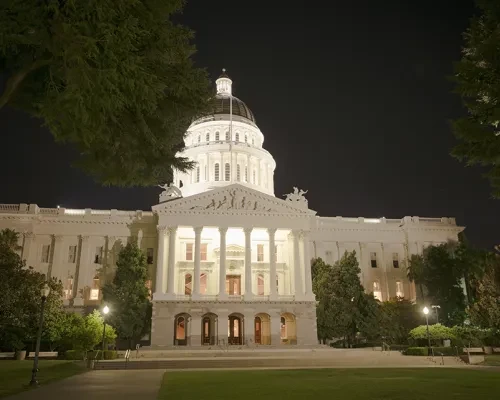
(229, 260)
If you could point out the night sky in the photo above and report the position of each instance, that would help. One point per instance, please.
(352, 97)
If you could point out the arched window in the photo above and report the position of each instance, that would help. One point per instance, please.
(180, 328)
(197, 174)
(216, 171)
(227, 172)
(253, 177)
(237, 137)
(203, 283)
(199, 138)
(227, 136)
(238, 172)
(207, 137)
(216, 136)
(246, 138)
(260, 285)
(246, 173)
(283, 327)
(188, 280)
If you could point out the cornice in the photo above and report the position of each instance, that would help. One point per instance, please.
(202, 303)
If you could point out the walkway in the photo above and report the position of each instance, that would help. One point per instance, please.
(100, 385)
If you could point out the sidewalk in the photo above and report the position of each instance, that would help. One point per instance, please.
(100, 385)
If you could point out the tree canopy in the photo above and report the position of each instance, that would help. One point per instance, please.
(477, 78)
(113, 78)
(128, 296)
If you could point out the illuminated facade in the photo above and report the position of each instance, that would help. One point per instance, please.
(229, 262)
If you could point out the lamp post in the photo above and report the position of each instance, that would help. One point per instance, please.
(44, 293)
(436, 308)
(426, 312)
(105, 312)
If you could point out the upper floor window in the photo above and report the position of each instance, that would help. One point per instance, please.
(94, 291)
(45, 253)
(197, 174)
(68, 288)
(216, 136)
(238, 172)
(149, 255)
(399, 289)
(377, 293)
(395, 260)
(246, 139)
(72, 254)
(246, 173)
(227, 172)
(98, 255)
(199, 138)
(203, 252)
(373, 259)
(260, 285)
(227, 136)
(260, 252)
(207, 137)
(237, 137)
(188, 280)
(203, 283)
(189, 251)
(216, 172)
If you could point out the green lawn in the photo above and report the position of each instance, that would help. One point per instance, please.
(492, 359)
(343, 384)
(16, 375)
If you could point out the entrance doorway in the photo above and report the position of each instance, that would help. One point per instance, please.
(208, 329)
(258, 330)
(181, 330)
(235, 330)
(233, 284)
(262, 329)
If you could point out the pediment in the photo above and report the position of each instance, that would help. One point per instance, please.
(233, 198)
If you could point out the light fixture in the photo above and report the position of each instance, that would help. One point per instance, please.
(105, 310)
(45, 290)
(425, 310)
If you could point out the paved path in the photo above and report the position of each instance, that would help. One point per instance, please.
(100, 385)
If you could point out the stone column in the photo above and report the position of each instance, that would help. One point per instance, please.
(384, 271)
(29, 249)
(222, 264)
(57, 258)
(307, 264)
(160, 262)
(195, 334)
(222, 318)
(296, 266)
(249, 173)
(273, 291)
(275, 327)
(197, 261)
(172, 235)
(248, 263)
(82, 267)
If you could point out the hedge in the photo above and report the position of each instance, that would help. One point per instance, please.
(416, 351)
(398, 347)
(79, 355)
(423, 351)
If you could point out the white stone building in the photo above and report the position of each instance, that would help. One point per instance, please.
(229, 261)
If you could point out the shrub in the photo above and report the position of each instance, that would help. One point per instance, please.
(108, 355)
(416, 351)
(437, 332)
(73, 355)
(399, 347)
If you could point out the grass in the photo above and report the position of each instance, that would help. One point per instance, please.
(345, 384)
(15, 375)
(492, 360)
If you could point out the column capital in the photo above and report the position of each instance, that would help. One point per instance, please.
(271, 231)
(247, 230)
(111, 239)
(84, 238)
(198, 229)
(28, 235)
(304, 234)
(58, 238)
(172, 230)
(223, 229)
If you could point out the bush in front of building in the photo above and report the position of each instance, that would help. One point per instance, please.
(73, 355)
(97, 355)
(416, 351)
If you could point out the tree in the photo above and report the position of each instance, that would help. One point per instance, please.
(416, 272)
(437, 332)
(477, 78)
(343, 309)
(128, 295)
(398, 318)
(113, 78)
(20, 302)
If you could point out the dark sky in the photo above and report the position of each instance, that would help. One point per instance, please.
(352, 98)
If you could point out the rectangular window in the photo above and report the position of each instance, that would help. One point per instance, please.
(45, 253)
(94, 292)
(377, 293)
(399, 289)
(203, 252)
(260, 285)
(68, 289)
(373, 259)
(395, 260)
(260, 252)
(98, 255)
(149, 255)
(189, 251)
(329, 258)
(72, 254)
(227, 172)
(233, 285)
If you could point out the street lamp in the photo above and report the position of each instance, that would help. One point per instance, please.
(436, 308)
(105, 312)
(44, 293)
(426, 312)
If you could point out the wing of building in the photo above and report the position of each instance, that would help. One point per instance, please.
(229, 262)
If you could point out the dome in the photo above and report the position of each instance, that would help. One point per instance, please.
(222, 106)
